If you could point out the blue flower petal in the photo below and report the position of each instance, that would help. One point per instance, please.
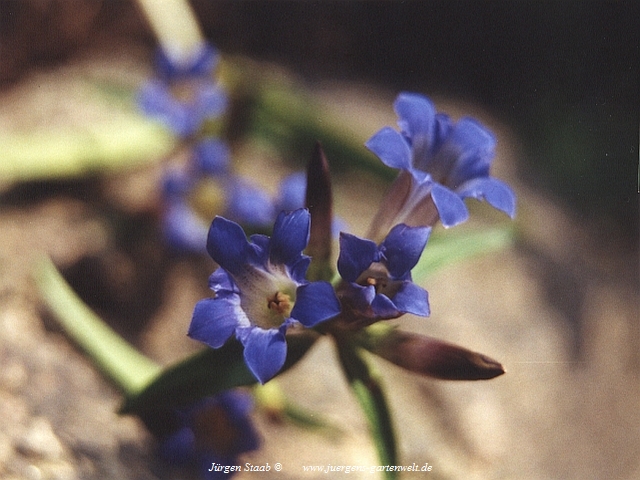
(474, 147)
(356, 254)
(360, 297)
(417, 120)
(292, 192)
(212, 156)
(179, 449)
(402, 248)
(265, 352)
(412, 298)
(451, 208)
(260, 244)
(154, 98)
(494, 191)
(441, 130)
(384, 308)
(315, 303)
(221, 283)
(201, 65)
(290, 236)
(391, 148)
(212, 101)
(228, 245)
(249, 204)
(416, 113)
(177, 182)
(215, 319)
(298, 270)
(183, 229)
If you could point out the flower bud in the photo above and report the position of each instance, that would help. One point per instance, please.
(435, 358)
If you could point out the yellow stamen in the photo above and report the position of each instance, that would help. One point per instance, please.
(280, 303)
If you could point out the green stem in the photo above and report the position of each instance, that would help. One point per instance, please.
(130, 370)
(370, 395)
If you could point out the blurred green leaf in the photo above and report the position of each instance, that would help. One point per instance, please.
(126, 141)
(129, 369)
(294, 123)
(206, 373)
(450, 247)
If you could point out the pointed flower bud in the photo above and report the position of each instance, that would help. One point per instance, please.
(435, 358)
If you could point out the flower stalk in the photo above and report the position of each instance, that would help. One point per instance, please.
(175, 26)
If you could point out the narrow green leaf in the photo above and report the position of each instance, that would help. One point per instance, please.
(123, 364)
(450, 247)
(206, 373)
(370, 395)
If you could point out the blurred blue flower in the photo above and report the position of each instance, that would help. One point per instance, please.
(379, 276)
(292, 192)
(260, 291)
(447, 163)
(205, 187)
(183, 229)
(248, 204)
(211, 156)
(184, 96)
(215, 430)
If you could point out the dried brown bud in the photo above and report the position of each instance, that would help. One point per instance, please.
(435, 358)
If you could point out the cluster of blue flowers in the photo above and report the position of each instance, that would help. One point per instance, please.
(260, 287)
(188, 100)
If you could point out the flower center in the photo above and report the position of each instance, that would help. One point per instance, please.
(280, 304)
(184, 91)
(377, 276)
(267, 296)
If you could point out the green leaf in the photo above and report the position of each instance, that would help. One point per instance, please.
(292, 122)
(123, 364)
(370, 395)
(71, 152)
(206, 373)
(451, 247)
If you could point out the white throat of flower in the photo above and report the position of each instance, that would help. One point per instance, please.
(267, 296)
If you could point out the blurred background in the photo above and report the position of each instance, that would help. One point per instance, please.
(557, 82)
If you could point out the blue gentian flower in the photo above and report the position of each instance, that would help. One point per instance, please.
(184, 96)
(213, 431)
(261, 290)
(248, 204)
(379, 276)
(446, 162)
(204, 187)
